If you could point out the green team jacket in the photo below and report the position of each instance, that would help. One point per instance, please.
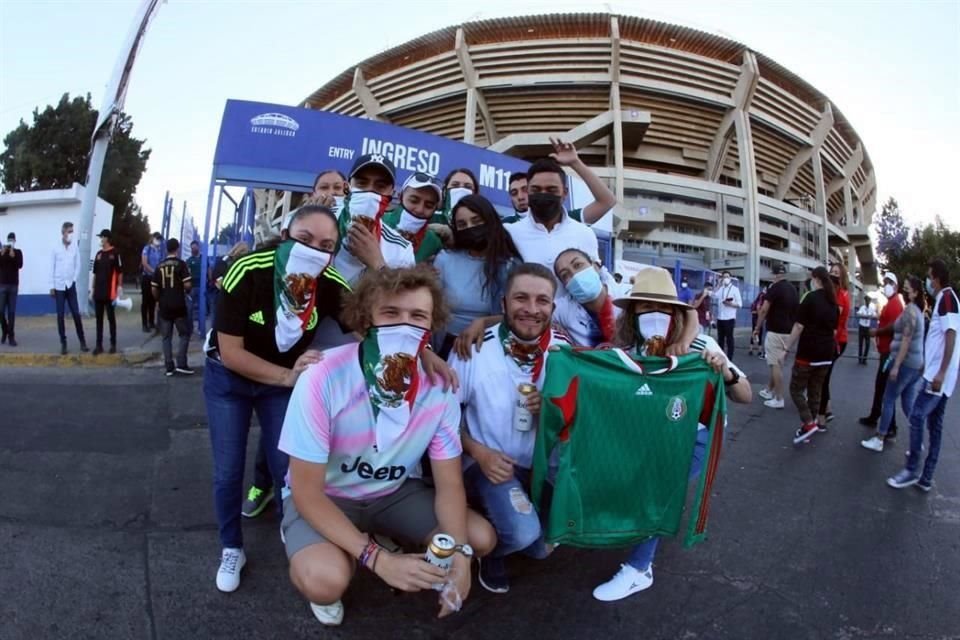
(624, 432)
(430, 244)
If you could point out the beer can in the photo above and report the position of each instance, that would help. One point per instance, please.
(522, 418)
(440, 554)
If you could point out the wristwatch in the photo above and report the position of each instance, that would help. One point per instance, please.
(465, 549)
(734, 380)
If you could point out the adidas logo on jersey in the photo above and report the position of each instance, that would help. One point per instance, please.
(644, 390)
(257, 317)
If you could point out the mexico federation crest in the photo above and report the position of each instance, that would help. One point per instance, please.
(394, 376)
(676, 409)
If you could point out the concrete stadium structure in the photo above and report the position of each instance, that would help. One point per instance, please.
(720, 157)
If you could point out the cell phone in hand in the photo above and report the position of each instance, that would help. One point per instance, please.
(928, 388)
(729, 300)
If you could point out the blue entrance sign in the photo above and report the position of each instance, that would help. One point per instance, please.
(274, 146)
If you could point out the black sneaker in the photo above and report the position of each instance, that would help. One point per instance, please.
(185, 370)
(829, 416)
(891, 434)
(169, 372)
(63, 349)
(84, 348)
(924, 485)
(113, 348)
(493, 575)
(868, 421)
(97, 350)
(256, 501)
(805, 432)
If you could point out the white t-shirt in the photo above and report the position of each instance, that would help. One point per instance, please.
(488, 389)
(397, 252)
(330, 421)
(866, 314)
(581, 325)
(723, 292)
(536, 244)
(945, 317)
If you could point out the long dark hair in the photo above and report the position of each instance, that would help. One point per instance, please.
(919, 294)
(500, 248)
(446, 181)
(826, 284)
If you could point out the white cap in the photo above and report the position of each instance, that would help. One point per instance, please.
(892, 277)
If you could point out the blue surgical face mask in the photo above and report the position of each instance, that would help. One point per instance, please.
(929, 285)
(585, 286)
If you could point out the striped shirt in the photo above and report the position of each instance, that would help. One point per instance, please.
(330, 421)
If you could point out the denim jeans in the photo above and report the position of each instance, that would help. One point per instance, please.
(930, 409)
(641, 556)
(906, 387)
(8, 307)
(863, 350)
(183, 331)
(510, 511)
(64, 298)
(231, 400)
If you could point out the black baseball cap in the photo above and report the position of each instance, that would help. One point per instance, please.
(780, 270)
(106, 233)
(375, 159)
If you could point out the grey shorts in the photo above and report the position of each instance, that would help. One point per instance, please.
(406, 515)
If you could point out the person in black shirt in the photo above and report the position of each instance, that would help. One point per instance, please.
(107, 273)
(815, 327)
(777, 315)
(11, 261)
(268, 309)
(171, 283)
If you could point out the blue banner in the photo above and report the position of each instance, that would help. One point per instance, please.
(274, 146)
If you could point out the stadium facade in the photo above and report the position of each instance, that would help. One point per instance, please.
(720, 157)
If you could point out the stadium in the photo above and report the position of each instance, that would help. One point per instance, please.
(720, 157)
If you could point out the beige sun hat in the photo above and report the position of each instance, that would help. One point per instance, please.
(652, 284)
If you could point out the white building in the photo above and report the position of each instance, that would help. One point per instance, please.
(36, 218)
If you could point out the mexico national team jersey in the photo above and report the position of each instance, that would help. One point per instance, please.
(330, 421)
(624, 432)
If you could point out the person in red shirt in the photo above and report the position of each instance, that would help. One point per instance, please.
(884, 333)
(841, 284)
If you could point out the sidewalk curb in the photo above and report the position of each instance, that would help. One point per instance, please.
(77, 360)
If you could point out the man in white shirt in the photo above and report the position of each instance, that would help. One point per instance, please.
(499, 446)
(866, 316)
(65, 270)
(942, 359)
(548, 230)
(728, 302)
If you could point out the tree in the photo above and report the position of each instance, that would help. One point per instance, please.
(228, 234)
(892, 232)
(935, 240)
(52, 153)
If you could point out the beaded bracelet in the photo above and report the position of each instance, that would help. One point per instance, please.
(367, 552)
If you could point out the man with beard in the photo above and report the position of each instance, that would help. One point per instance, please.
(500, 447)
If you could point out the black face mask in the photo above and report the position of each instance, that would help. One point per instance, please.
(472, 238)
(545, 207)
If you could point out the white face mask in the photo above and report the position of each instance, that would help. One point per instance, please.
(726, 282)
(653, 324)
(410, 223)
(70, 237)
(12, 243)
(456, 194)
(889, 290)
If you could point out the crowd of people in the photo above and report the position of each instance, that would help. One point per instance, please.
(387, 392)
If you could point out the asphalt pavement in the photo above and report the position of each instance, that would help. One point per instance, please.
(107, 531)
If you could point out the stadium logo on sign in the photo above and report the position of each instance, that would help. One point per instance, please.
(274, 124)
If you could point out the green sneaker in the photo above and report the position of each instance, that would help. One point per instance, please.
(256, 501)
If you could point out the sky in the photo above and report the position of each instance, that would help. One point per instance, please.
(892, 68)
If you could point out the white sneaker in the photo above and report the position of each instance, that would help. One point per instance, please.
(627, 581)
(774, 403)
(874, 444)
(328, 614)
(766, 394)
(231, 563)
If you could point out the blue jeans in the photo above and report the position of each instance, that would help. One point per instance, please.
(231, 400)
(929, 408)
(8, 307)
(641, 556)
(64, 298)
(510, 511)
(906, 387)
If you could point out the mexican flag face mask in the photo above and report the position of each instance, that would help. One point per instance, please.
(389, 356)
(296, 267)
(366, 208)
(454, 196)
